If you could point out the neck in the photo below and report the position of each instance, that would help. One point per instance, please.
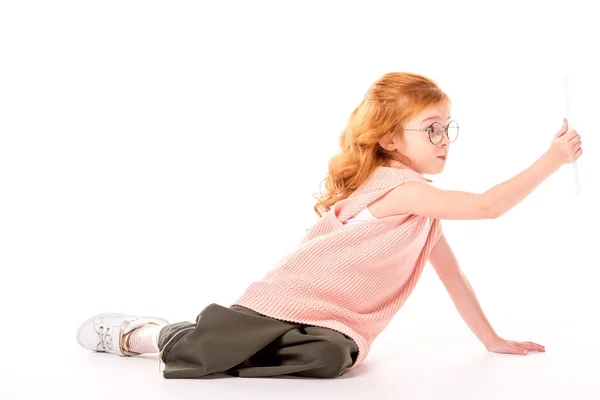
(394, 163)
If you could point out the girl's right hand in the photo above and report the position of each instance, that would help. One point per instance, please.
(503, 346)
(566, 145)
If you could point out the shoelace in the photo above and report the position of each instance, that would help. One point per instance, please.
(105, 343)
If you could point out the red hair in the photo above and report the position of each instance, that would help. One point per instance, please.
(389, 102)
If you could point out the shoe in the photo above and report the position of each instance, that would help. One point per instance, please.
(108, 332)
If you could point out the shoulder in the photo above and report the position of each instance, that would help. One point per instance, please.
(403, 182)
(383, 179)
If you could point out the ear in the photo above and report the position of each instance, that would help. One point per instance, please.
(387, 142)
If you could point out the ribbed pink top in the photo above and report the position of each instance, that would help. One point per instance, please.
(353, 278)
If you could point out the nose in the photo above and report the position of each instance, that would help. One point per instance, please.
(444, 142)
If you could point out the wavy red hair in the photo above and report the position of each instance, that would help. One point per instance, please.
(389, 102)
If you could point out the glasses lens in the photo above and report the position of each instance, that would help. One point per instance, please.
(435, 134)
(452, 131)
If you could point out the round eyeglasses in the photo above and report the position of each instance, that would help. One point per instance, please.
(436, 130)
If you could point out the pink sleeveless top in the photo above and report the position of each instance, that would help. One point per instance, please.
(350, 278)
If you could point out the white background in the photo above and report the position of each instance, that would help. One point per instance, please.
(156, 157)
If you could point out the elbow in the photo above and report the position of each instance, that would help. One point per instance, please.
(490, 208)
(493, 213)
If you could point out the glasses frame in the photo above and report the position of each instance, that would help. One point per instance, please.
(429, 130)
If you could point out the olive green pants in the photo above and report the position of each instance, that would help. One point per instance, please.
(240, 342)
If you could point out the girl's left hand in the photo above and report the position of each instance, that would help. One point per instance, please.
(512, 347)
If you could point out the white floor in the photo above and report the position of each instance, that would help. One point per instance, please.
(423, 368)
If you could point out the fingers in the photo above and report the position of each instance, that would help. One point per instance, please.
(571, 135)
(530, 346)
(575, 136)
(576, 147)
(511, 349)
(575, 143)
(541, 345)
(563, 129)
(518, 350)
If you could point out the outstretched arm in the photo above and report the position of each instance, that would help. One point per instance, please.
(448, 270)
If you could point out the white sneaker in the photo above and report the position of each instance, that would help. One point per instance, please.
(104, 332)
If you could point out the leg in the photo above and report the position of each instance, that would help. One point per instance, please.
(306, 351)
(221, 339)
(235, 340)
(241, 342)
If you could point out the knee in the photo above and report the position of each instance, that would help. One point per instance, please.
(333, 358)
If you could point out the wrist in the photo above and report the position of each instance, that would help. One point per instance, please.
(491, 340)
(550, 162)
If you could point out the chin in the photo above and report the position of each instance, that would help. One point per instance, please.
(431, 168)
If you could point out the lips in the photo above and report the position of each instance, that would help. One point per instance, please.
(442, 157)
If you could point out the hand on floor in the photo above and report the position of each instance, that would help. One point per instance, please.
(512, 347)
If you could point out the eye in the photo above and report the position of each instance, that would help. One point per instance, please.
(436, 128)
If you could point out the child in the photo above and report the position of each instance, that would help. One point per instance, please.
(317, 313)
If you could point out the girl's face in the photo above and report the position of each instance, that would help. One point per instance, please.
(424, 156)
